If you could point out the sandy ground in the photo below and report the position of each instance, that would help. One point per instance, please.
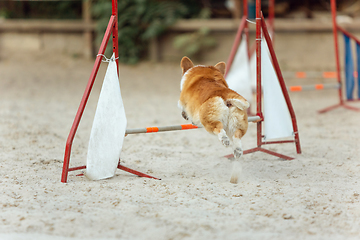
(315, 196)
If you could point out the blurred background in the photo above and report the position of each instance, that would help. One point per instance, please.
(160, 30)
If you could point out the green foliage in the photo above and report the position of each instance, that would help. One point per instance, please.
(194, 43)
(205, 13)
(4, 13)
(139, 21)
(42, 10)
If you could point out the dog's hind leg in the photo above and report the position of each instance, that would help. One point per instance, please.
(211, 114)
(217, 129)
(238, 150)
(224, 139)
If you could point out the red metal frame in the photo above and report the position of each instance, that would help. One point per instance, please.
(112, 28)
(336, 27)
(236, 43)
(282, 84)
(243, 27)
(261, 25)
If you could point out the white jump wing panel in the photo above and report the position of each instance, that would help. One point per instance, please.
(277, 120)
(108, 130)
(238, 77)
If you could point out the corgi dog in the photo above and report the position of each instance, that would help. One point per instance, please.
(207, 101)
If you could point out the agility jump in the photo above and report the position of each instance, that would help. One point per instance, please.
(111, 77)
(348, 86)
(239, 79)
(112, 29)
(348, 66)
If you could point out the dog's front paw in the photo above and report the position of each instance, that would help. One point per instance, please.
(238, 152)
(184, 115)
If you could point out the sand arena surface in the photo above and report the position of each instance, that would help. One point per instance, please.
(315, 196)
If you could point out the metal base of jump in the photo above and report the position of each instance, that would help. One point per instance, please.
(344, 105)
(121, 167)
(260, 149)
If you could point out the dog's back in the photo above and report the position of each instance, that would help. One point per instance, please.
(202, 83)
(206, 82)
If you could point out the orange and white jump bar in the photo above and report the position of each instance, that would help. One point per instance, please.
(313, 74)
(174, 127)
(310, 74)
(313, 87)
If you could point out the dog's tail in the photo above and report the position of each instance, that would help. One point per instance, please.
(239, 103)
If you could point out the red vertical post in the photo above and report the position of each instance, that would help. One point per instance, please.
(235, 45)
(245, 6)
(258, 72)
(333, 16)
(115, 32)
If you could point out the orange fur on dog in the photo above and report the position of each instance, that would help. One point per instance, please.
(206, 100)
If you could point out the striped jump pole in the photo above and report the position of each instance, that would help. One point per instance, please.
(310, 74)
(313, 87)
(174, 127)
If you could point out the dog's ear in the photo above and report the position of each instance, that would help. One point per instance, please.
(221, 67)
(186, 64)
